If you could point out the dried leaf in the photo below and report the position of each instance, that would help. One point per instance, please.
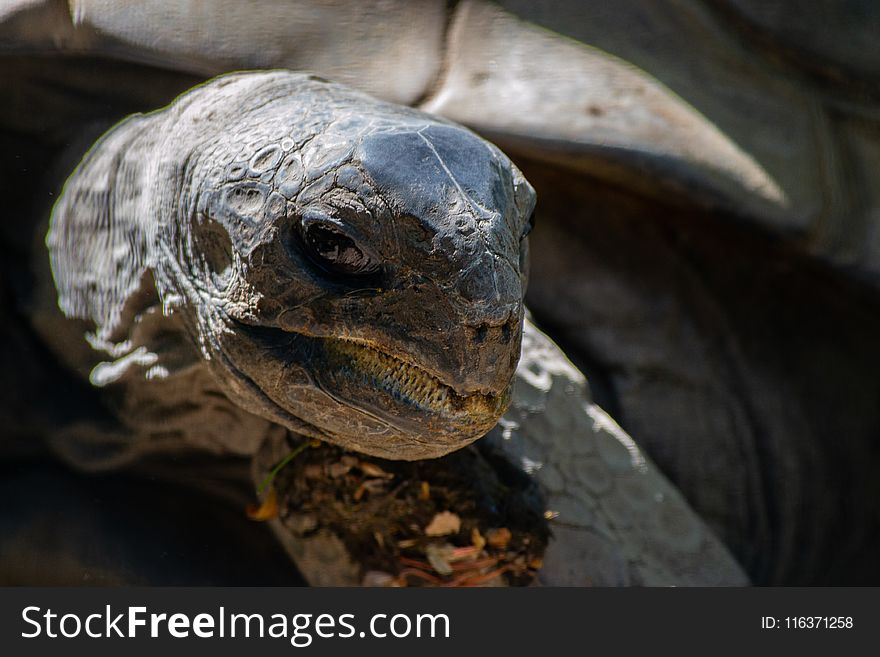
(477, 539)
(498, 538)
(338, 469)
(438, 557)
(373, 470)
(488, 579)
(267, 510)
(371, 486)
(413, 563)
(379, 578)
(468, 552)
(443, 523)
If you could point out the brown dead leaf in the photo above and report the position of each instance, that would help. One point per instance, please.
(338, 469)
(443, 523)
(477, 539)
(369, 486)
(498, 538)
(373, 470)
(267, 510)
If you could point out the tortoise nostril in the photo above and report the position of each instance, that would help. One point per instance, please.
(480, 333)
(501, 332)
(507, 330)
(511, 327)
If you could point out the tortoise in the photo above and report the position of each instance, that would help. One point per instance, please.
(687, 238)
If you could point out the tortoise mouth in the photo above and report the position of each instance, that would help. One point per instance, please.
(362, 375)
(404, 381)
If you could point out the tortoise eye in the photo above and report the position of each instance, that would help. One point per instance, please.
(333, 250)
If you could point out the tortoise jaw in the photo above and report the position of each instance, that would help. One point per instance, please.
(406, 404)
(406, 382)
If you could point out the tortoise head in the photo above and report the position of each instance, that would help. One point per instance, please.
(348, 268)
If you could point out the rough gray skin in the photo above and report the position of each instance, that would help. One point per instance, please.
(348, 269)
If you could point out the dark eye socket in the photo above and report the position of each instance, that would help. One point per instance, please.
(335, 251)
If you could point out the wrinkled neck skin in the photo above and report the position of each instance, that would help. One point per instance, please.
(346, 268)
